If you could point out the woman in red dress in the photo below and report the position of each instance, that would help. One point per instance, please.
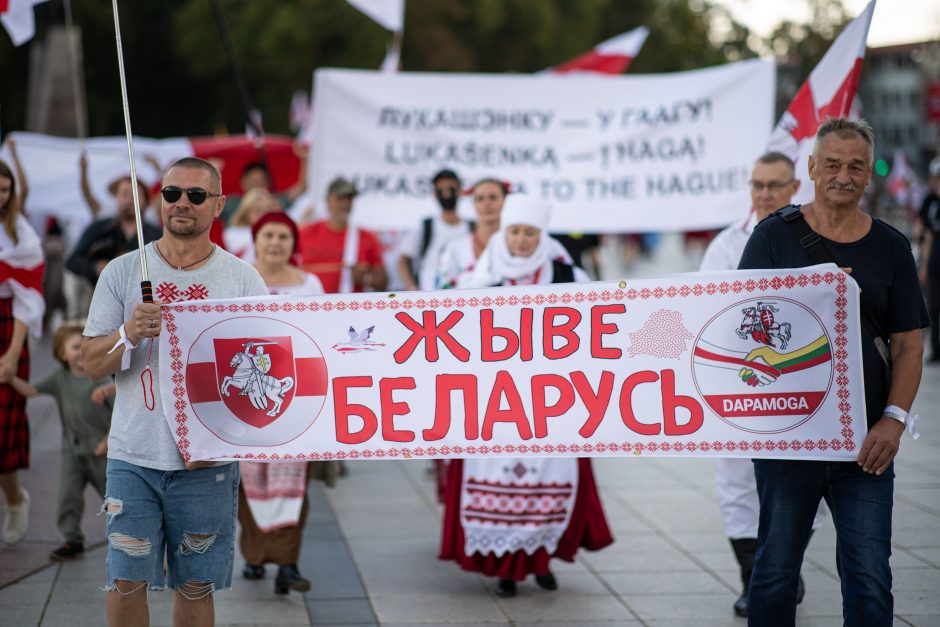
(508, 517)
(21, 311)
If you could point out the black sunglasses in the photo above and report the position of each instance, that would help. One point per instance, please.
(196, 195)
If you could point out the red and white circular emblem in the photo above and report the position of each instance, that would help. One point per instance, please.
(256, 381)
(763, 365)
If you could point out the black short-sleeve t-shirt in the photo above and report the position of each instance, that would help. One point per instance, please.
(883, 267)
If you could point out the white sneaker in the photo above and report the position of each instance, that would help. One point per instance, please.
(14, 528)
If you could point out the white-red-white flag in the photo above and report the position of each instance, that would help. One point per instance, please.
(21, 268)
(902, 182)
(389, 13)
(827, 93)
(17, 17)
(612, 56)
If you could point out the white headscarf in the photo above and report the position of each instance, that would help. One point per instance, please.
(496, 264)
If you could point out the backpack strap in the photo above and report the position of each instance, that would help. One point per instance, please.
(812, 243)
(562, 272)
(427, 226)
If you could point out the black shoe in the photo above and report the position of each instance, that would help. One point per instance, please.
(547, 582)
(289, 578)
(740, 606)
(800, 591)
(68, 551)
(253, 571)
(506, 588)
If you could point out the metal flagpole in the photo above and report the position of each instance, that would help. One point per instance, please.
(146, 288)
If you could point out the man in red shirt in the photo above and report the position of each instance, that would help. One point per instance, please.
(344, 259)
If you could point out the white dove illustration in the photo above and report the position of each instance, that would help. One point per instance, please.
(360, 338)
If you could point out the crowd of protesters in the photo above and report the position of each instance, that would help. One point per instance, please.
(248, 243)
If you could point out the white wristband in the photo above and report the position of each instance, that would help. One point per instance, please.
(128, 347)
(909, 421)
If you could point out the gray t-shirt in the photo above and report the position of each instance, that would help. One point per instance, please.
(139, 435)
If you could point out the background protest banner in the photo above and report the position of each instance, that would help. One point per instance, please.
(611, 154)
(741, 364)
(52, 168)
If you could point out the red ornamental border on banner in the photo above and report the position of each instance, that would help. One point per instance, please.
(788, 281)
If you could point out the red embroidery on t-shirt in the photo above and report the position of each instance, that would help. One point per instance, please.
(169, 293)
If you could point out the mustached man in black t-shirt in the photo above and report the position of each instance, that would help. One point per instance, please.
(860, 493)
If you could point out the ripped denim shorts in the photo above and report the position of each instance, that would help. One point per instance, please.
(186, 516)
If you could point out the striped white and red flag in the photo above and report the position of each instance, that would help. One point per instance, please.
(18, 19)
(612, 56)
(828, 92)
(21, 268)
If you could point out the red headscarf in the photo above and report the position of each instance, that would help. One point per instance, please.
(281, 218)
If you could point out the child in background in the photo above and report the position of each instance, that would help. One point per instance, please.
(85, 411)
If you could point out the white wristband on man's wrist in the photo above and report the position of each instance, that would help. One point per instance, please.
(128, 347)
(908, 420)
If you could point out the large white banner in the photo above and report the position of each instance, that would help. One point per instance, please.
(611, 154)
(741, 364)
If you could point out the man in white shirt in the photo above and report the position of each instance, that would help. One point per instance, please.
(773, 183)
(417, 262)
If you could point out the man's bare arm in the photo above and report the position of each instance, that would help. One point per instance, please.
(99, 361)
(884, 438)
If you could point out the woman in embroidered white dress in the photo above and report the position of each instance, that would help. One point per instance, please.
(272, 501)
(492, 522)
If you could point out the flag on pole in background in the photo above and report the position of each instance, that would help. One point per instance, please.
(828, 92)
(17, 17)
(389, 13)
(612, 56)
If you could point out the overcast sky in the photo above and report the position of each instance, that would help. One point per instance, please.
(895, 21)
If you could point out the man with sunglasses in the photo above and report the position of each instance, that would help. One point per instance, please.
(773, 184)
(158, 507)
(419, 250)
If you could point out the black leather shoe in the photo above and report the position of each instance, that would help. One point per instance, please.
(547, 582)
(253, 571)
(289, 578)
(506, 588)
(740, 606)
(800, 591)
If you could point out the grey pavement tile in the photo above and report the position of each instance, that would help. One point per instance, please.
(439, 608)
(917, 579)
(687, 607)
(289, 609)
(346, 611)
(920, 621)
(916, 538)
(615, 560)
(629, 584)
(20, 615)
(387, 580)
(72, 614)
(78, 592)
(26, 593)
(538, 606)
(917, 602)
